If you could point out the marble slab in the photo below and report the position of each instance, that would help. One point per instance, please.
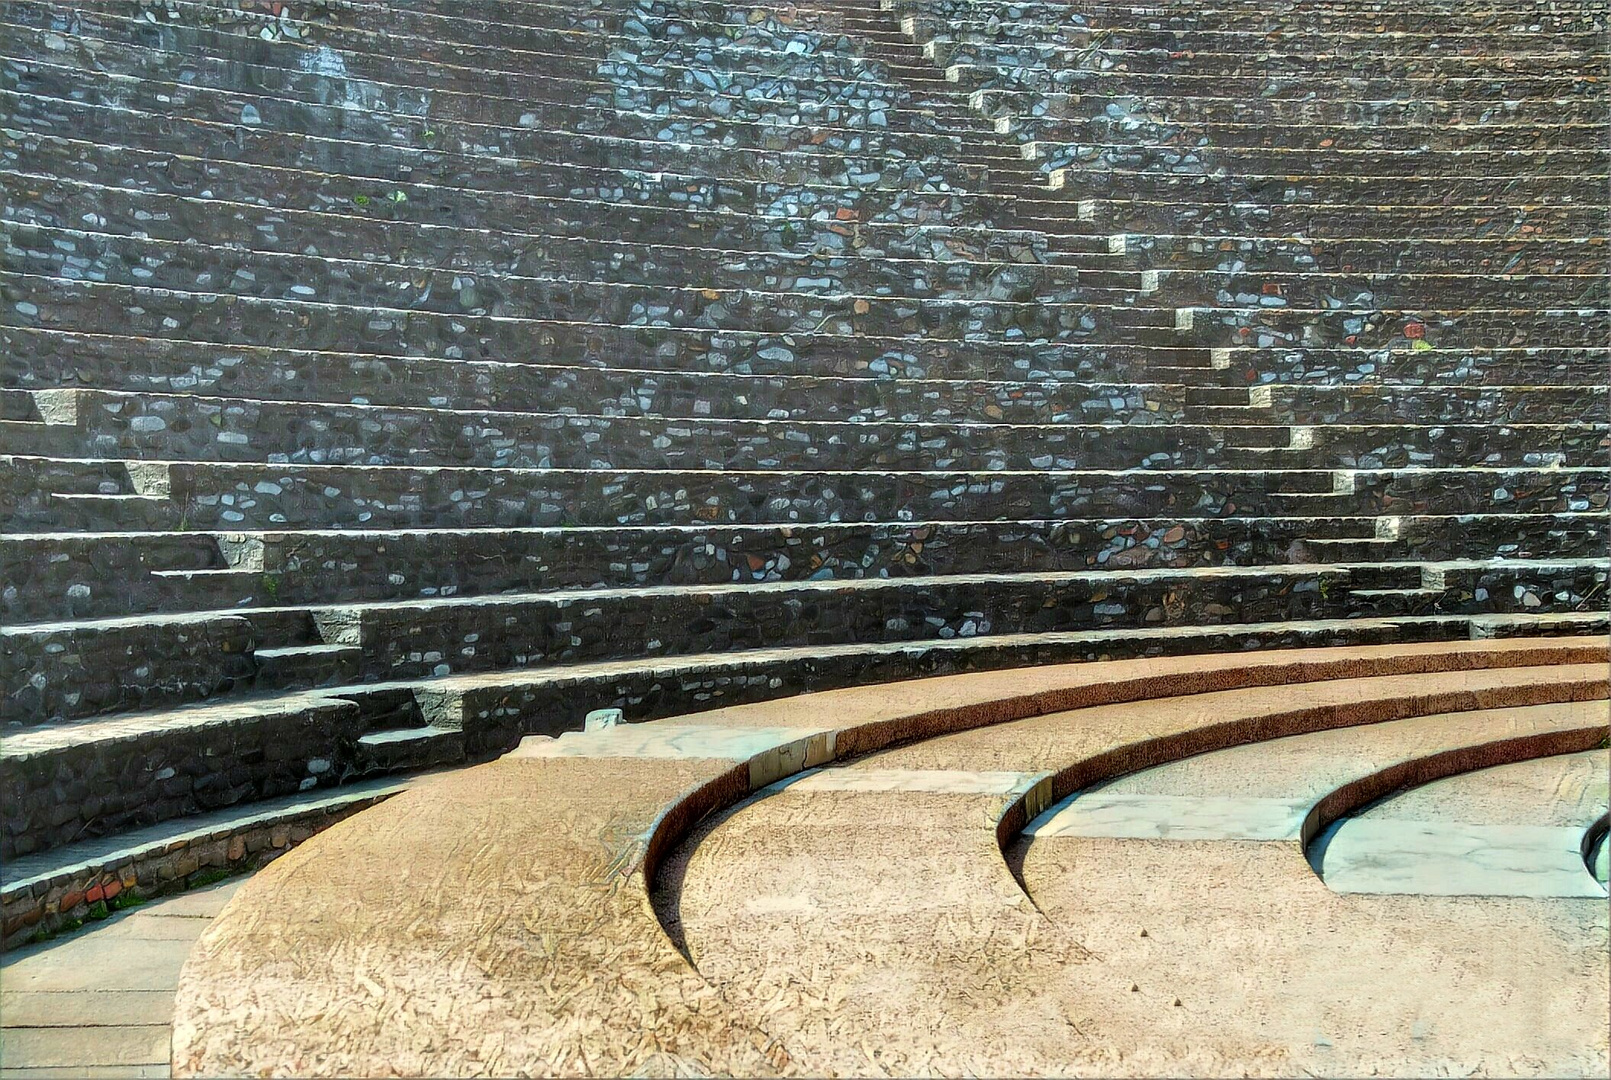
(1373, 855)
(1173, 817)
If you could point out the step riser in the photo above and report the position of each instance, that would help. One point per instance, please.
(498, 236)
(106, 362)
(526, 303)
(93, 790)
(1565, 275)
(500, 562)
(60, 785)
(462, 122)
(63, 900)
(404, 643)
(644, 141)
(180, 429)
(109, 579)
(844, 334)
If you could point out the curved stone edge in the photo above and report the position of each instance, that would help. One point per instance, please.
(1149, 753)
(1596, 847)
(869, 718)
(1404, 775)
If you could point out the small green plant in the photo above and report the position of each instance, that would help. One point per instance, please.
(125, 900)
(361, 200)
(98, 910)
(206, 877)
(271, 586)
(398, 197)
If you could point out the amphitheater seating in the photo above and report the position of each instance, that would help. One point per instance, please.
(862, 902)
(384, 385)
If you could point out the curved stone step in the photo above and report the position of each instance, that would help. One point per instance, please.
(714, 763)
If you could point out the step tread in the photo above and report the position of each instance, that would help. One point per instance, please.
(828, 585)
(135, 725)
(21, 874)
(285, 652)
(395, 736)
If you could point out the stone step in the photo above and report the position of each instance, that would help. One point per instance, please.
(290, 100)
(719, 214)
(303, 666)
(200, 47)
(882, 300)
(545, 80)
(1319, 405)
(442, 636)
(1056, 65)
(17, 406)
(129, 509)
(214, 587)
(1048, 135)
(675, 25)
(401, 749)
(33, 436)
(311, 736)
(864, 18)
(340, 289)
(1318, 19)
(829, 324)
(963, 12)
(332, 289)
(1192, 258)
(52, 577)
(1330, 165)
(1408, 367)
(1409, 188)
(1315, 18)
(234, 496)
(169, 427)
(113, 363)
(1252, 81)
(407, 564)
(649, 690)
(44, 891)
(619, 233)
(1329, 214)
(374, 173)
(1071, 42)
(90, 780)
(598, 134)
(589, 55)
(201, 656)
(1415, 224)
(1031, 116)
(1500, 274)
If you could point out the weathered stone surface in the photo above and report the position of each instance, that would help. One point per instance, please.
(569, 959)
(399, 381)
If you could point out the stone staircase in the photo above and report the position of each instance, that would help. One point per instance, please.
(381, 386)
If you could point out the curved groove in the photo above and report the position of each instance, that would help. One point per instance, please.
(1202, 675)
(777, 935)
(1344, 800)
(1243, 731)
(1595, 837)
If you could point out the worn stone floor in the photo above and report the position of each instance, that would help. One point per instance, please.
(99, 1003)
